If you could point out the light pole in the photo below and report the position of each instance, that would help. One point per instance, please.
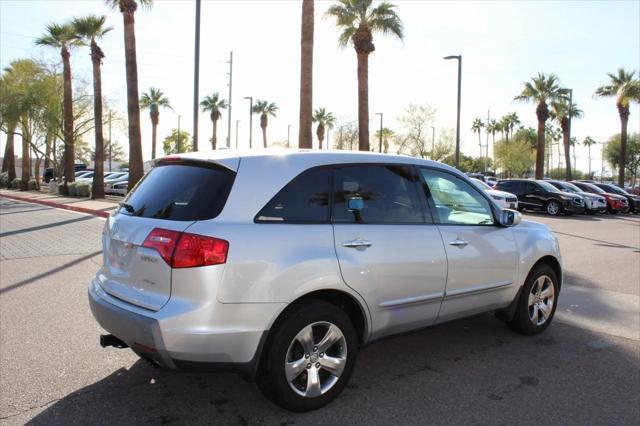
(110, 143)
(433, 140)
(328, 131)
(250, 120)
(237, 121)
(459, 58)
(380, 135)
(179, 117)
(288, 135)
(602, 167)
(229, 103)
(569, 134)
(196, 78)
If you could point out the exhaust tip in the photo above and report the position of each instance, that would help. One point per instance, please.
(111, 340)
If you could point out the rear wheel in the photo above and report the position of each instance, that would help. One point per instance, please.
(553, 208)
(310, 357)
(537, 303)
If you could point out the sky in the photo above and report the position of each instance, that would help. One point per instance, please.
(502, 43)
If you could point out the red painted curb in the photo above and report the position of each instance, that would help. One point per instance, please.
(100, 213)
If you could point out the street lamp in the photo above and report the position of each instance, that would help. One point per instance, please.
(288, 135)
(380, 144)
(459, 58)
(433, 140)
(250, 120)
(237, 121)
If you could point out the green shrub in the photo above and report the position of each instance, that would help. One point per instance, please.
(4, 180)
(33, 185)
(15, 184)
(61, 188)
(71, 187)
(83, 189)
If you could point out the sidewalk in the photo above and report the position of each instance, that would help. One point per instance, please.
(83, 205)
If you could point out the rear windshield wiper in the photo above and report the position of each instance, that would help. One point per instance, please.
(127, 207)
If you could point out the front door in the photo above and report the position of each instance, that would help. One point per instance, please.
(482, 256)
(388, 251)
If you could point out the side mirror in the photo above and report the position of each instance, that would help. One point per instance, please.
(355, 204)
(509, 217)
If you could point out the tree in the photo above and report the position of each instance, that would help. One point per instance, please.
(541, 89)
(305, 140)
(177, 142)
(589, 142)
(564, 112)
(357, 20)
(63, 37)
(153, 100)
(114, 152)
(491, 128)
(90, 29)
(477, 127)
(9, 116)
(347, 136)
(632, 160)
(387, 134)
(416, 136)
(128, 9)
(265, 109)
(511, 120)
(625, 87)
(443, 148)
(515, 157)
(325, 120)
(213, 104)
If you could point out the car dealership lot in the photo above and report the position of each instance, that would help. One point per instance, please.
(584, 369)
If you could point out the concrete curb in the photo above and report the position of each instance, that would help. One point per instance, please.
(100, 213)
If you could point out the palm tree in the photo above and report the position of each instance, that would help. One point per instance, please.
(325, 120)
(213, 104)
(265, 109)
(541, 89)
(512, 120)
(588, 142)
(626, 88)
(63, 37)
(358, 20)
(90, 29)
(564, 112)
(477, 127)
(305, 140)
(154, 99)
(9, 115)
(491, 128)
(128, 9)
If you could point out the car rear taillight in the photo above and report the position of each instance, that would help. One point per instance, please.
(184, 250)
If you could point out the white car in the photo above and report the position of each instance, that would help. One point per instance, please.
(506, 200)
(281, 264)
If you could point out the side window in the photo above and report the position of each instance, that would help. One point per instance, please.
(532, 188)
(304, 199)
(456, 201)
(377, 194)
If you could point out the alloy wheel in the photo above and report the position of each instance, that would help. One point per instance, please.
(541, 300)
(553, 208)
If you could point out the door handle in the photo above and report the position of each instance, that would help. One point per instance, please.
(357, 244)
(459, 243)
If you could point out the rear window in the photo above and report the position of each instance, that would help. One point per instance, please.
(181, 192)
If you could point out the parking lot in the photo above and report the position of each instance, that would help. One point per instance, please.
(585, 369)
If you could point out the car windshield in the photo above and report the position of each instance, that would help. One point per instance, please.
(480, 184)
(116, 175)
(593, 187)
(615, 189)
(547, 186)
(570, 187)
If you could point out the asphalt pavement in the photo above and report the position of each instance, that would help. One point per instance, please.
(585, 369)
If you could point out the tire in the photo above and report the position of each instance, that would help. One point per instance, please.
(523, 320)
(553, 208)
(285, 348)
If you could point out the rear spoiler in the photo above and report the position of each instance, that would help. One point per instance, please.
(228, 163)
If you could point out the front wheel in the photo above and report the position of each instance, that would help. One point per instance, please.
(310, 357)
(553, 208)
(537, 303)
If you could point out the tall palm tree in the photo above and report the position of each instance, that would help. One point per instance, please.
(541, 89)
(357, 20)
(9, 115)
(477, 127)
(128, 9)
(589, 142)
(305, 140)
(63, 37)
(90, 29)
(564, 112)
(625, 87)
(154, 99)
(265, 109)
(213, 104)
(512, 121)
(325, 120)
(492, 128)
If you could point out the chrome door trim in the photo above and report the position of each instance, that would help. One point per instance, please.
(412, 300)
(477, 289)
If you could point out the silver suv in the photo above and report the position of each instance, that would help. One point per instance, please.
(280, 265)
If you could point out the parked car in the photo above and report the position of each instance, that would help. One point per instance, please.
(541, 195)
(593, 203)
(214, 261)
(491, 181)
(615, 203)
(119, 188)
(80, 173)
(114, 179)
(48, 174)
(633, 201)
(87, 176)
(505, 200)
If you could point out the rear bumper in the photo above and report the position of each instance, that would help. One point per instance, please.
(231, 338)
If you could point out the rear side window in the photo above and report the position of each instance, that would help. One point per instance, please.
(382, 194)
(305, 200)
(181, 192)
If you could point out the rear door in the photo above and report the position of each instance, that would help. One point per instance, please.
(170, 197)
(388, 251)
